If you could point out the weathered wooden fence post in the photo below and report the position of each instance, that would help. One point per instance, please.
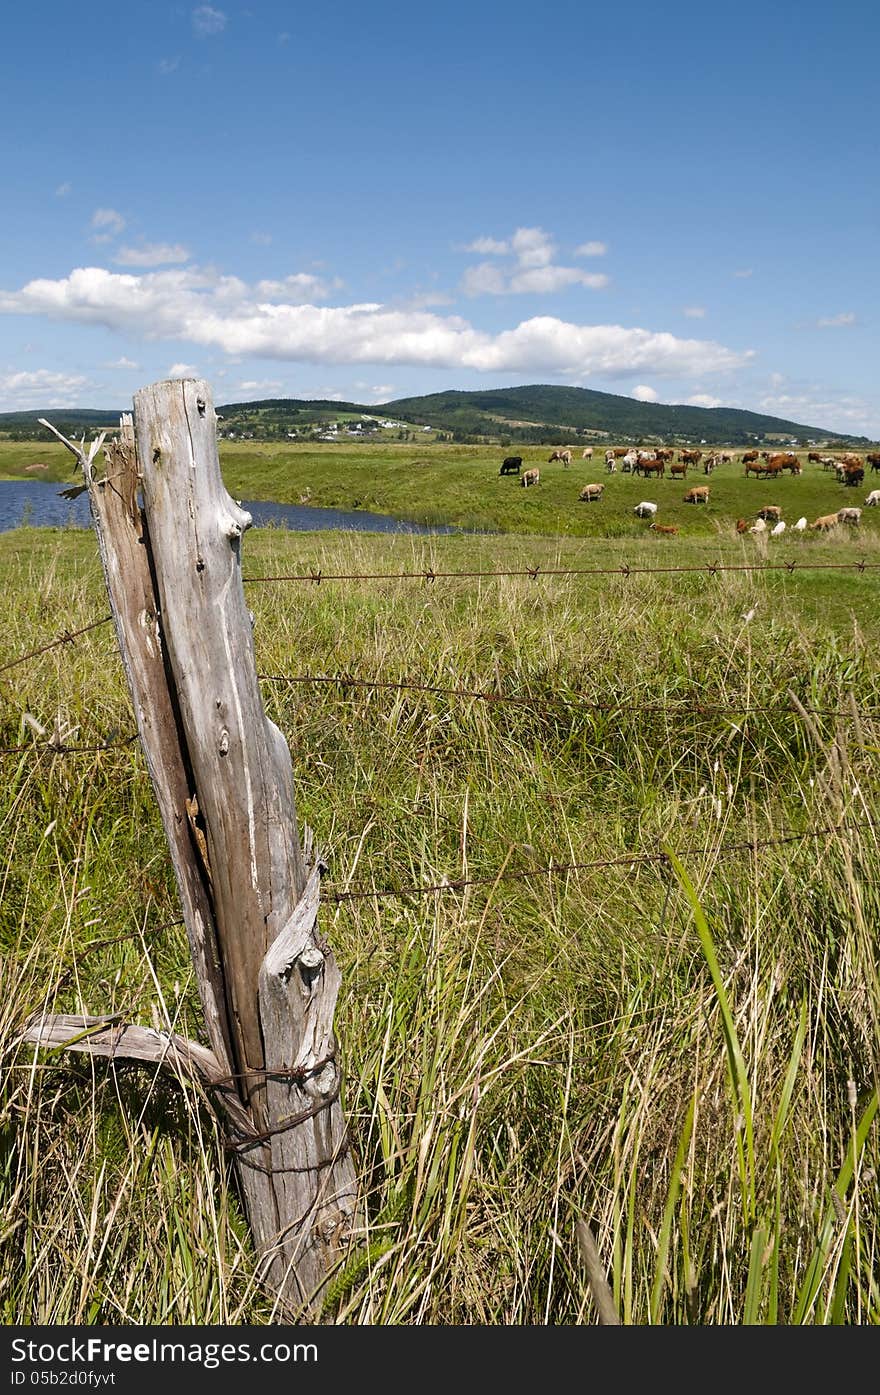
(222, 776)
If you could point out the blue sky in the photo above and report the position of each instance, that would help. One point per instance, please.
(675, 202)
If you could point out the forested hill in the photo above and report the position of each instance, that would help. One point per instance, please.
(534, 414)
(537, 412)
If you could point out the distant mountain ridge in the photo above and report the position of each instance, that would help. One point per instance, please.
(535, 413)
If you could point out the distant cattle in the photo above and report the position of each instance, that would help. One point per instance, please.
(873, 460)
(621, 451)
(629, 461)
(711, 462)
(563, 455)
(649, 467)
(528, 477)
(678, 470)
(850, 516)
(770, 511)
(610, 465)
(591, 493)
(801, 524)
(698, 495)
(742, 525)
(778, 528)
(750, 456)
(873, 499)
(647, 510)
(826, 521)
(690, 457)
(511, 465)
(663, 528)
(609, 458)
(587, 453)
(853, 475)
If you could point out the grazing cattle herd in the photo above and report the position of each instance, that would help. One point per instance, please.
(849, 470)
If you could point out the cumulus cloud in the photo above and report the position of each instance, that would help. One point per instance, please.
(533, 272)
(207, 21)
(39, 388)
(152, 254)
(836, 412)
(694, 312)
(704, 399)
(202, 307)
(122, 363)
(260, 385)
(591, 249)
(63, 190)
(836, 321)
(643, 393)
(182, 370)
(166, 66)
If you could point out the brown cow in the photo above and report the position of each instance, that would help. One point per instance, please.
(873, 460)
(742, 525)
(563, 455)
(690, 457)
(698, 495)
(662, 528)
(591, 493)
(750, 456)
(678, 471)
(770, 511)
(528, 477)
(827, 520)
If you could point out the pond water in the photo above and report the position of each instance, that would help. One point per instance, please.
(38, 504)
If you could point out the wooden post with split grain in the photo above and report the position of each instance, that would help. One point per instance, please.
(170, 542)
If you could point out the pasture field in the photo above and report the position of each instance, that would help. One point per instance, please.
(460, 485)
(683, 1051)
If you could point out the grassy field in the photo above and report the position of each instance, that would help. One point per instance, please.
(685, 1056)
(461, 485)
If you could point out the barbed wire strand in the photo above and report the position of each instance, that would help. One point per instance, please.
(630, 860)
(682, 708)
(66, 638)
(624, 569)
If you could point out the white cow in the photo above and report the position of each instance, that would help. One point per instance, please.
(801, 524)
(588, 453)
(645, 509)
(778, 528)
(873, 499)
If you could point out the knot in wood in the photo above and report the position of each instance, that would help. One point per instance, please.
(311, 958)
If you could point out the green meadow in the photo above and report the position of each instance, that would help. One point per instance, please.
(654, 1007)
(460, 485)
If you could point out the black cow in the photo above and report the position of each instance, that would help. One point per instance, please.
(510, 465)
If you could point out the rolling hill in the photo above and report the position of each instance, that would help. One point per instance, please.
(537, 413)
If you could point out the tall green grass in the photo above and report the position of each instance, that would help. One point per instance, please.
(682, 1054)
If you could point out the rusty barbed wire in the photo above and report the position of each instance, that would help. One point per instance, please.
(630, 860)
(684, 707)
(49, 748)
(67, 637)
(428, 574)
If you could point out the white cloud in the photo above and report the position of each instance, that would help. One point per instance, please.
(704, 399)
(262, 239)
(39, 388)
(744, 274)
(836, 321)
(533, 247)
(299, 289)
(534, 272)
(166, 66)
(63, 190)
(202, 307)
(207, 21)
(814, 407)
(591, 249)
(694, 312)
(260, 385)
(544, 280)
(643, 393)
(484, 279)
(152, 254)
(122, 363)
(488, 247)
(182, 370)
(107, 224)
